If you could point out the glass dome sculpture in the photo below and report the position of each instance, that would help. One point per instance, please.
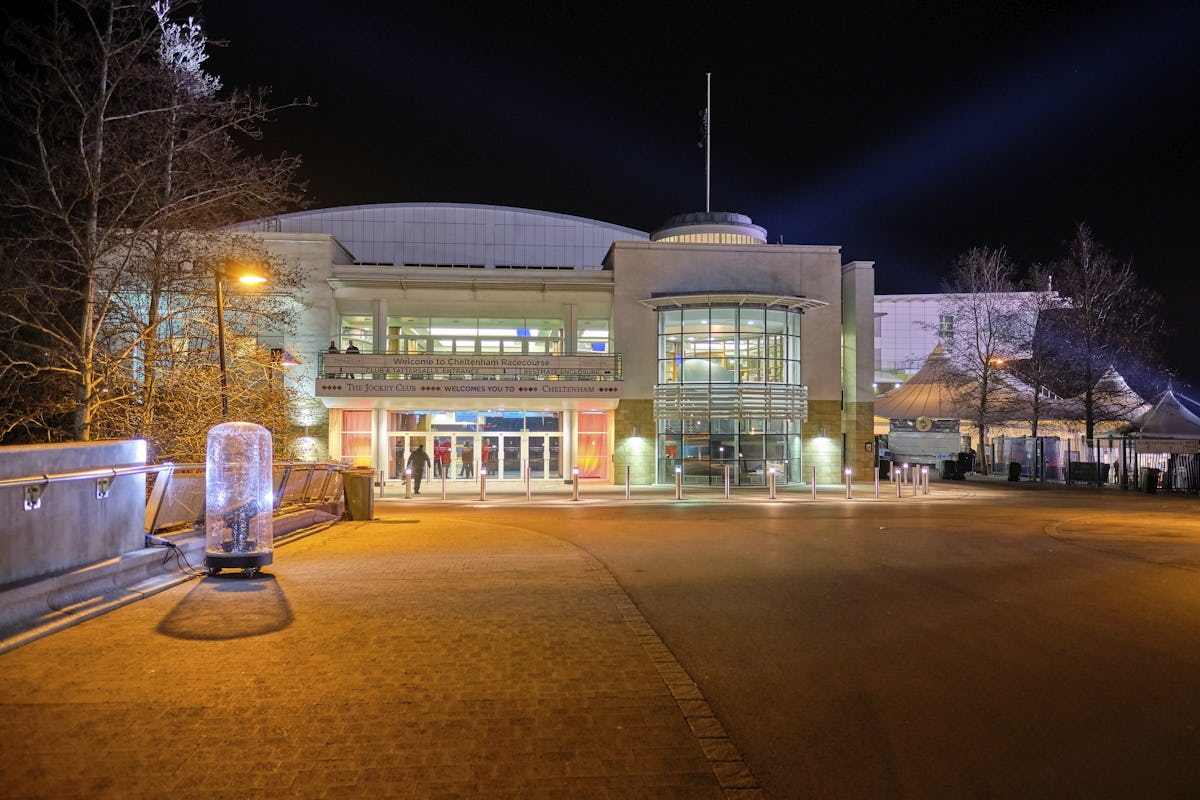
(238, 498)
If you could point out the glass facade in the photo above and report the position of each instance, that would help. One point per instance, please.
(728, 345)
(464, 443)
(412, 335)
(733, 359)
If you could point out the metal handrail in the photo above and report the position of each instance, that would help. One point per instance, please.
(34, 486)
(81, 475)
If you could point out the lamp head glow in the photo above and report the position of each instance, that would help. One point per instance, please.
(483, 470)
(678, 469)
(574, 470)
(248, 272)
(771, 470)
(408, 471)
(848, 470)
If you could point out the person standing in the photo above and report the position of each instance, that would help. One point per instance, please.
(333, 350)
(467, 470)
(417, 462)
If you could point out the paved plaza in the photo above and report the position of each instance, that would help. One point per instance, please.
(985, 640)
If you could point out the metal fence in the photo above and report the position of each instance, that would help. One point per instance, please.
(178, 492)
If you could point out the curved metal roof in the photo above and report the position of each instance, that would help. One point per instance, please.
(457, 234)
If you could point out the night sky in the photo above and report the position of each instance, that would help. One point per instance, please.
(905, 133)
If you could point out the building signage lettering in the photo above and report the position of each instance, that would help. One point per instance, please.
(355, 387)
(1174, 446)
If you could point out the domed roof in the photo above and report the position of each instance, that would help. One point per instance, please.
(712, 227)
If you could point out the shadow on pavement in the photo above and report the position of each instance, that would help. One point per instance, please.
(229, 607)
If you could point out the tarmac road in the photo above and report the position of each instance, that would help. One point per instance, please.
(994, 641)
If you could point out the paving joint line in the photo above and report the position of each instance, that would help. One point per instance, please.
(730, 769)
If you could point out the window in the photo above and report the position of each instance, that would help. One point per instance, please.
(729, 345)
(945, 325)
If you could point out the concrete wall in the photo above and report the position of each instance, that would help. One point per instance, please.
(73, 527)
(858, 359)
(642, 269)
(834, 367)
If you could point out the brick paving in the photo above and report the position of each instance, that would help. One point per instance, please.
(399, 658)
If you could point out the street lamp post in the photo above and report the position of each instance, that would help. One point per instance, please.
(248, 277)
(221, 344)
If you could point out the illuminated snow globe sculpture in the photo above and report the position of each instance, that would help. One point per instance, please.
(238, 498)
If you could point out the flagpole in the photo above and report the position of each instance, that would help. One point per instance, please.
(708, 146)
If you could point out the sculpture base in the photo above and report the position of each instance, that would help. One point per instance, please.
(249, 562)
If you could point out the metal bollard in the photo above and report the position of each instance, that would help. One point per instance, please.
(408, 484)
(528, 483)
(678, 482)
(444, 483)
(728, 474)
(483, 483)
(627, 469)
(916, 480)
(575, 483)
(814, 483)
(925, 478)
(876, 482)
(849, 489)
(896, 480)
(771, 483)
(903, 473)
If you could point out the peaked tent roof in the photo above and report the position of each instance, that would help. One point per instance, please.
(1168, 420)
(922, 395)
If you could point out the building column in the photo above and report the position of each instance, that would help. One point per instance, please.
(858, 365)
(570, 425)
(379, 329)
(570, 330)
(379, 449)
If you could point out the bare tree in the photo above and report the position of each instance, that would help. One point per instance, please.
(1111, 322)
(979, 304)
(1035, 360)
(125, 163)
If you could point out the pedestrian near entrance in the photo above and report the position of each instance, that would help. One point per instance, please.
(417, 462)
(467, 470)
(398, 459)
(445, 457)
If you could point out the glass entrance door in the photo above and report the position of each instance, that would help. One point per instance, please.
(544, 454)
